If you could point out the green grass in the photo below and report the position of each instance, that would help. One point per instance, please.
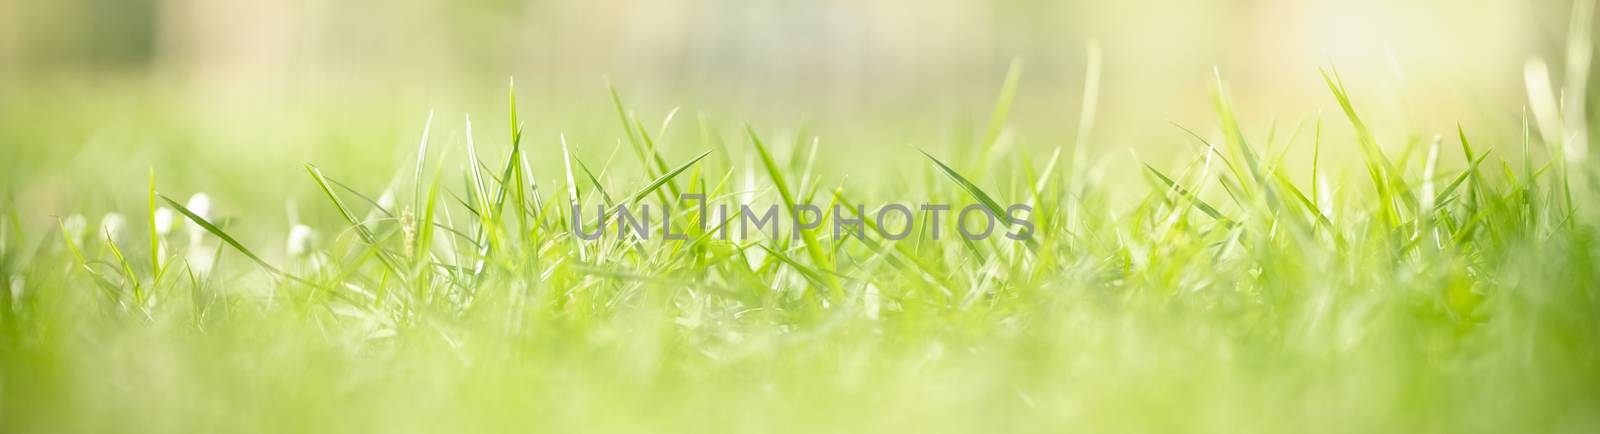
(1231, 292)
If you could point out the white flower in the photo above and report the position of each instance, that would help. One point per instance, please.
(111, 225)
(199, 260)
(74, 226)
(386, 201)
(299, 240)
(200, 205)
(163, 219)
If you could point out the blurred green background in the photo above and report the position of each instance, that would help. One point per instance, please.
(843, 52)
(1179, 328)
(209, 89)
(833, 52)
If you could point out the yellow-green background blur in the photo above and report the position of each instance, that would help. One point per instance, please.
(254, 87)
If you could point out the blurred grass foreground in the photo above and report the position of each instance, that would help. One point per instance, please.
(1246, 216)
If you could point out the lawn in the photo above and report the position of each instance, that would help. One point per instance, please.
(1447, 283)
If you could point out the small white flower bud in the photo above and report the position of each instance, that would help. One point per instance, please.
(386, 201)
(200, 261)
(163, 217)
(74, 225)
(200, 205)
(111, 225)
(299, 241)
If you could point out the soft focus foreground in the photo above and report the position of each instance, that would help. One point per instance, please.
(176, 268)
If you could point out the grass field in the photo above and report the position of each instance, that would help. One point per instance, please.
(1446, 283)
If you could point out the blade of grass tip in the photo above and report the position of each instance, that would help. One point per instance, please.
(1316, 161)
(1197, 202)
(667, 122)
(1473, 188)
(14, 223)
(1376, 171)
(127, 269)
(1383, 172)
(1212, 149)
(517, 188)
(797, 146)
(463, 202)
(649, 140)
(978, 193)
(109, 288)
(1037, 199)
(1580, 49)
(810, 165)
(422, 157)
(1276, 163)
(454, 245)
(595, 181)
(475, 170)
(1402, 161)
(711, 139)
(1299, 196)
(654, 157)
(511, 92)
(537, 205)
(511, 174)
(573, 199)
(622, 111)
(327, 186)
(480, 193)
(818, 277)
(905, 249)
(813, 247)
(628, 129)
(1272, 136)
(1000, 115)
(230, 241)
(425, 233)
(1430, 167)
(1233, 133)
(1532, 188)
(1091, 104)
(659, 181)
(967, 186)
(1511, 178)
(429, 220)
(1542, 99)
(364, 198)
(344, 211)
(1043, 180)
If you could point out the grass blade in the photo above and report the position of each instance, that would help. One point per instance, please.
(230, 241)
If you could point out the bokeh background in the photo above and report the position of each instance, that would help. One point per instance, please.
(207, 90)
(818, 52)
